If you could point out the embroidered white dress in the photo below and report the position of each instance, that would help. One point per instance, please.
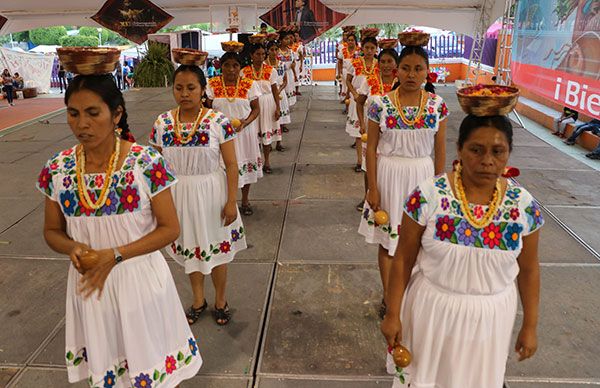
(358, 72)
(269, 128)
(247, 141)
(136, 333)
(346, 58)
(403, 160)
(201, 193)
(284, 105)
(460, 306)
(290, 89)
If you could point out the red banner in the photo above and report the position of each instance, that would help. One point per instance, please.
(311, 17)
(580, 93)
(556, 51)
(132, 19)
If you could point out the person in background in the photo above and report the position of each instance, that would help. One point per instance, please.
(595, 154)
(263, 28)
(69, 78)
(210, 69)
(561, 123)
(7, 86)
(119, 75)
(126, 71)
(62, 81)
(18, 82)
(217, 65)
(593, 127)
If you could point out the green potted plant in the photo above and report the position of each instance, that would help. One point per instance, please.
(156, 68)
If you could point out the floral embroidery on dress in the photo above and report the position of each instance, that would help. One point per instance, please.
(267, 70)
(413, 204)
(250, 167)
(430, 118)
(534, 216)
(216, 84)
(369, 216)
(214, 249)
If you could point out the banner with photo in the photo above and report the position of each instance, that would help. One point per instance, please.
(312, 17)
(3, 21)
(556, 51)
(35, 69)
(132, 19)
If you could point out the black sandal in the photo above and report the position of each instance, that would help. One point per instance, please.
(358, 168)
(193, 314)
(280, 148)
(382, 309)
(223, 315)
(284, 129)
(361, 206)
(246, 210)
(267, 170)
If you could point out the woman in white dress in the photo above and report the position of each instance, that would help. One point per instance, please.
(472, 233)
(109, 207)
(282, 79)
(371, 86)
(299, 54)
(286, 55)
(237, 98)
(359, 69)
(194, 140)
(347, 52)
(265, 77)
(405, 127)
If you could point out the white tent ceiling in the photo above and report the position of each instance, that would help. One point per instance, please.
(456, 15)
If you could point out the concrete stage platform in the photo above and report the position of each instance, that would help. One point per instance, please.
(306, 292)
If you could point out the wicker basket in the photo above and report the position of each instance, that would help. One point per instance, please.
(88, 60)
(232, 46)
(388, 43)
(190, 57)
(257, 39)
(349, 28)
(369, 33)
(488, 105)
(272, 36)
(413, 38)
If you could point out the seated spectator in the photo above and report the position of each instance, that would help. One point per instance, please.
(595, 154)
(593, 127)
(561, 122)
(18, 82)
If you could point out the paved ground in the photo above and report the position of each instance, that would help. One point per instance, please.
(305, 294)
(28, 109)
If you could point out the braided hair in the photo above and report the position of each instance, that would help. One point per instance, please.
(104, 86)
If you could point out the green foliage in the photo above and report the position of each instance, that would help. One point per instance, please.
(93, 31)
(200, 26)
(49, 36)
(78, 40)
(154, 67)
(22, 36)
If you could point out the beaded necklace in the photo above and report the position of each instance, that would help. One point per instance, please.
(422, 103)
(84, 196)
(373, 64)
(178, 126)
(228, 97)
(260, 74)
(464, 203)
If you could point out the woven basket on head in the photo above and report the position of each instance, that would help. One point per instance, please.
(232, 46)
(88, 60)
(413, 38)
(272, 36)
(189, 56)
(257, 38)
(369, 33)
(388, 43)
(488, 105)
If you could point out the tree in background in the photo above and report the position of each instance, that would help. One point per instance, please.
(108, 37)
(199, 26)
(48, 36)
(78, 40)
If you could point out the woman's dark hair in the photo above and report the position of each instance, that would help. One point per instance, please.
(197, 71)
(230, 55)
(369, 39)
(104, 86)
(283, 35)
(472, 123)
(272, 43)
(352, 35)
(254, 47)
(420, 51)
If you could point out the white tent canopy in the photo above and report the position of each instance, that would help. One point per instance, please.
(456, 15)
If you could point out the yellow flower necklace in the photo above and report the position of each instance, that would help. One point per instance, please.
(237, 84)
(177, 126)
(422, 103)
(260, 74)
(84, 196)
(373, 64)
(464, 203)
